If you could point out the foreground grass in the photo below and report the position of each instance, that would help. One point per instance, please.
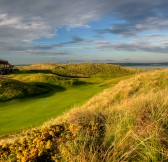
(127, 122)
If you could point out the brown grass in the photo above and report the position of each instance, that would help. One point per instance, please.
(128, 122)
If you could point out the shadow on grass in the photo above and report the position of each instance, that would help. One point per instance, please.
(49, 90)
(43, 90)
(34, 71)
(81, 83)
(52, 89)
(69, 76)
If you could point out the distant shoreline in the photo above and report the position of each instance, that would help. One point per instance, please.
(122, 64)
(145, 65)
(141, 64)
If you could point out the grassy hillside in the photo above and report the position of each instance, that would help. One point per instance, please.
(11, 88)
(92, 70)
(51, 79)
(84, 70)
(32, 67)
(64, 93)
(127, 122)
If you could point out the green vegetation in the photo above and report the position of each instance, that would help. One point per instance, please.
(33, 111)
(126, 122)
(51, 79)
(63, 94)
(10, 89)
(92, 70)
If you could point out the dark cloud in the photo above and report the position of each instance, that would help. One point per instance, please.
(127, 59)
(137, 16)
(121, 29)
(134, 46)
(75, 40)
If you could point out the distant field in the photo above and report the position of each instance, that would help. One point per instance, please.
(61, 91)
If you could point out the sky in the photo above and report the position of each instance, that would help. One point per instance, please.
(54, 31)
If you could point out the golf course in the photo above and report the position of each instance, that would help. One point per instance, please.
(51, 94)
(84, 112)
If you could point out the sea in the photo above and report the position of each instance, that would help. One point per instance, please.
(149, 67)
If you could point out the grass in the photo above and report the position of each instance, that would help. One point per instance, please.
(11, 88)
(23, 113)
(65, 93)
(126, 122)
(39, 77)
(92, 70)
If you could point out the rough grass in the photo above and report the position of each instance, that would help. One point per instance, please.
(45, 78)
(46, 67)
(41, 73)
(11, 88)
(127, 122)
(64, 93)
(92, 70)
(84, 70)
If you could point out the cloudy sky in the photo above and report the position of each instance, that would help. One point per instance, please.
(36, 31)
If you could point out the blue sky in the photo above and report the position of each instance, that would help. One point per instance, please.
(84, 31)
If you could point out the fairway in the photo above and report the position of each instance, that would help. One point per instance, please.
(37, 94)
(29, 112)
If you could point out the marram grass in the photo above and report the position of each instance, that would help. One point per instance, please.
(128, 122)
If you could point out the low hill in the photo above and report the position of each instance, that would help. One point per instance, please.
(11, 88)
(100, 70)
(20, 85)
(25, 82)
(127, 122)
(38, 67)
(92, 70)
(51, 79)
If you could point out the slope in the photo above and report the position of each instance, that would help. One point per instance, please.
(127, 122)
(64, 92)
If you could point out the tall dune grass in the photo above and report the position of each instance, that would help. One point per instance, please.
(128, 122)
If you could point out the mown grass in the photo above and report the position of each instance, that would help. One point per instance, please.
(23, 113)
(127, 122)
